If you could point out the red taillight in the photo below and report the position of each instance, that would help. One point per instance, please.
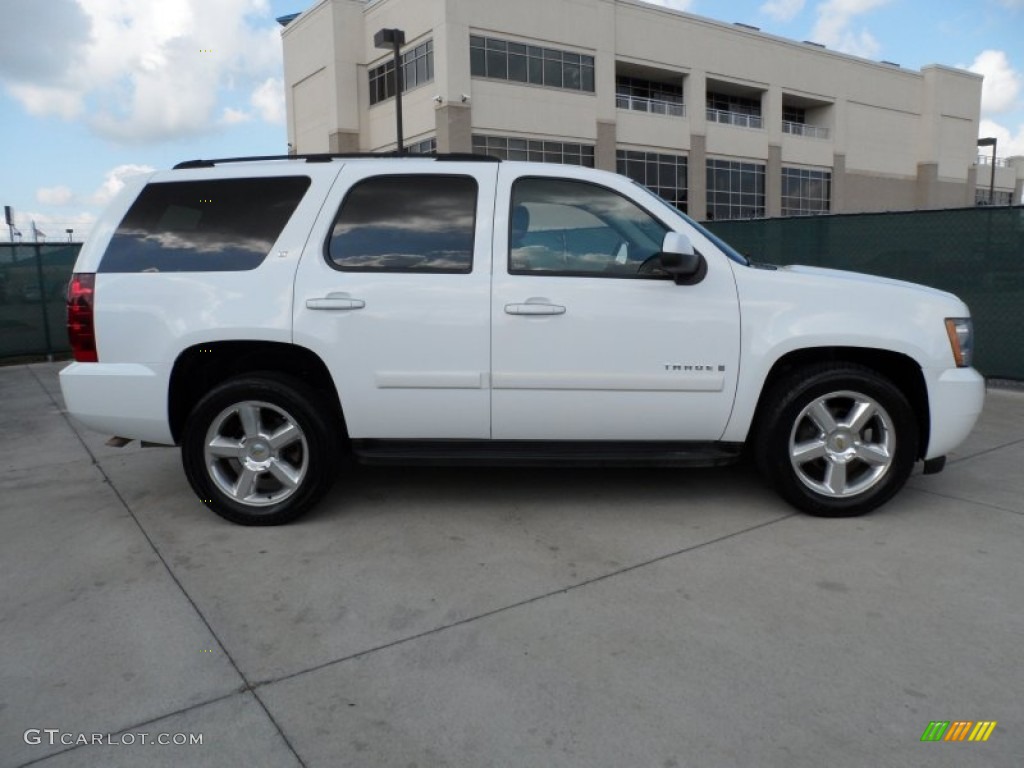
(81, 331)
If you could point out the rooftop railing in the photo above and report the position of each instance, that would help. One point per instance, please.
(987, 160)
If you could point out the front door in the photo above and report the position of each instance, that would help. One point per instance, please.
(590, 341)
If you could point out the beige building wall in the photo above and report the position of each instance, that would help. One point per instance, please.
(892, 138)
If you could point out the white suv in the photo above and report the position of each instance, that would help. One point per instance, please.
(273, 315)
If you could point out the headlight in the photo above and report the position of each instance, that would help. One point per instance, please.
(961, 339)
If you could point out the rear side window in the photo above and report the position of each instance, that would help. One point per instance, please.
(423, 223)
(204, 226)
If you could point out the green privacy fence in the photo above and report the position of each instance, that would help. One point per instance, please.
(33, 281)
(976, 253)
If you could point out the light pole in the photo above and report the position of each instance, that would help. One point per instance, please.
(394, 39)
(991, 142)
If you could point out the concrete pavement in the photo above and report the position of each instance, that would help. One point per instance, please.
(465, 617)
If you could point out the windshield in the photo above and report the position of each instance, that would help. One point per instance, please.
(727, 249)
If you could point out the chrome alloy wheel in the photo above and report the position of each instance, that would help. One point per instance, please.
(842, 444)
(256, 453)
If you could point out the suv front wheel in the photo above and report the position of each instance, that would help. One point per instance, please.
(836, 440)
(257, 449)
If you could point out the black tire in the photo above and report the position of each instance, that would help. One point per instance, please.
(839, 483)
(275, 484)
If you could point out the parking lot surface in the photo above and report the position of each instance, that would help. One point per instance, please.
(466, 617)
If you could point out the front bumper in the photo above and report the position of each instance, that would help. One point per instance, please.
(955, 398)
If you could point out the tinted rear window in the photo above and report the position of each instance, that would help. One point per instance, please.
(204, 226)
(423, 223)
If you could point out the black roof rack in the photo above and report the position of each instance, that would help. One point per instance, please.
(451, 157)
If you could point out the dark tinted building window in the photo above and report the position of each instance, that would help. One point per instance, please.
(417, 69)
(203, 226)
(735, 190)
(664, 175)
(521, 63)
(406, 224)
(508, 148)
(805, 191)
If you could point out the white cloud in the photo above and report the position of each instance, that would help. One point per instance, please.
(146, 71)
(268, 99)
(234, 116)
(782, 10)
(675, 5)
(833, 28)
(59, 195)
(1002, 83)
(1009, 144)
(114, 181)
(1013, 5)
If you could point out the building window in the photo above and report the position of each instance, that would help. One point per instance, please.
(649, 96)
(805, 191)
(417, 69)
(406, 224)
(508, 148)
(735, 190)
(794, 114)
(734, 110)
(425, 147)
(664, 175)
(521, 63)
(1001, 197)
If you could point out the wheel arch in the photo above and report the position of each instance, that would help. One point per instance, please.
(904, 372)
(201, 367)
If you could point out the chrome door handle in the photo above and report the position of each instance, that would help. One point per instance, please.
(335, 301)
(534, 308)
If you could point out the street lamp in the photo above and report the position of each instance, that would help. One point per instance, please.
(991, 142)
(394, 39)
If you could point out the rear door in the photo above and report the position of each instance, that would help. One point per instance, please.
(393, 293)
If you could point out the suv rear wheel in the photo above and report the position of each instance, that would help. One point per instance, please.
(836, 440)
(258, 450)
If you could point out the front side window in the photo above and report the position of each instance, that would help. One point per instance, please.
(565, 227)
(423, 223)
(223, 225)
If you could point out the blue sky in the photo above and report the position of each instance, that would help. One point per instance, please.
(92, 91)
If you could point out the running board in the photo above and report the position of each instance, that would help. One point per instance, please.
(545, 453)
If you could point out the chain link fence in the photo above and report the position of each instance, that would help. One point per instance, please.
(976, 253)
(33, 283)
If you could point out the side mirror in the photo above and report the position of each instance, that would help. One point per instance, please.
(679, 260)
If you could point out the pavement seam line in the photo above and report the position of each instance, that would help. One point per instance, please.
(986, 451)
(247, 685)
(132, 727)
(520, 603)
(985, 504)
